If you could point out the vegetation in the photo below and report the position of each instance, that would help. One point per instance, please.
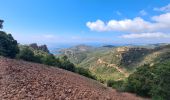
(140, 82)
(152, 81)
(149, 68)
(119, 85)
(28, 53)
(1, 22)
(148, 81)
(85, 72)
(66, 64)
(8, 46)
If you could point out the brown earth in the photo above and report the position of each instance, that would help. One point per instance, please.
(29, 81)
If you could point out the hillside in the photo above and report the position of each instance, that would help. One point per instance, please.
(116, 63)
(24, 80)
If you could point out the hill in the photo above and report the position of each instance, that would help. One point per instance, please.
(116, 63)
(25, 80)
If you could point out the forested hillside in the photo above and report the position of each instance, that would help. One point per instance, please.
(140, 69)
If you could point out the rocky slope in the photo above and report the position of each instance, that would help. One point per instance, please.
(29, 81)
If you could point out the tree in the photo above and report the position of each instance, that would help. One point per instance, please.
(161, 87)
(141, 81)
(152, 81)
(8, 46)
(1, 22)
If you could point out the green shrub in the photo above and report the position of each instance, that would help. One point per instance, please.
(85, 72)
(119, 85)
(110, 83)
(28, 55)
(66, 64)
(49, 60)
(101, 80)
(8, 46)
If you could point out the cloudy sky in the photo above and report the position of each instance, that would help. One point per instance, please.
(87, 21)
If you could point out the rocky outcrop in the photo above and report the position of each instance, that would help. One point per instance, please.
(41, 47)
(34, 46)
(44, 48)
(130, 55)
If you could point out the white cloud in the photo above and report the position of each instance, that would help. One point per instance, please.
(143, 12)
(164, 9)
(147, 35)
(138, 25)
(162, 19)
(96, 26)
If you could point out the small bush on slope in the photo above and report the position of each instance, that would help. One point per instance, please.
(119, 85)
(85, 72)
(66, 64)
(28, 55)
(49, 60)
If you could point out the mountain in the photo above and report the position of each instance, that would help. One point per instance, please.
(116, 63)
(25, 80)
(77, 53)
(109, 46)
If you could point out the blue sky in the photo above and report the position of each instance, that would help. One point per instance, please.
(87, 21)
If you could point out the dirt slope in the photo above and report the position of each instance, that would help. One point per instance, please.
(23, 80)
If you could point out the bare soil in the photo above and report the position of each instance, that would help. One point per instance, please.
(20, 80)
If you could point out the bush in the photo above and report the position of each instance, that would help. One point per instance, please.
(85, 72)
(66, 64)
(28, 55)
(119, 85)
(49, 60)
(110, 83)
(8, 46)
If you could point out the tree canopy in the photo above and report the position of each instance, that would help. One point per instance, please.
(1, 24)
(152, 81)
(8, 46)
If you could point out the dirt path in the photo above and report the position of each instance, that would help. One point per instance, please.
(21, 80)
(100, 61)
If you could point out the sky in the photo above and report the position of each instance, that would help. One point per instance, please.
(55, 22)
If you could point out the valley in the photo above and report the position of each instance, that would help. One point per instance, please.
(114, 62)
